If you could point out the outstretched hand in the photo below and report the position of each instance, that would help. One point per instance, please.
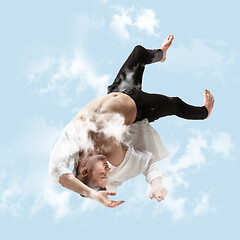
(158, 192)
(102, 197)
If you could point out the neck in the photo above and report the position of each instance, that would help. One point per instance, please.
(116, 155)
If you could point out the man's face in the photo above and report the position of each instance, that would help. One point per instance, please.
(100, 171)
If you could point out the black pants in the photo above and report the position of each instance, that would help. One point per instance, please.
(150, 106)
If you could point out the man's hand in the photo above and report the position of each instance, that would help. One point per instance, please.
(158, 192)
(102, 197)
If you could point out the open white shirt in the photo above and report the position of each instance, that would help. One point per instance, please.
(145, 148)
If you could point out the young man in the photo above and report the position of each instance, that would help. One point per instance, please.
(88, 141)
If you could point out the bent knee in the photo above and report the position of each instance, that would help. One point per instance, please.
(139, 49)
(176, 100)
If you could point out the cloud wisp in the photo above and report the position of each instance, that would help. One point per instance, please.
(26, 179)
(57, 74)
(202, 58)
(202, 205)
(131, 19)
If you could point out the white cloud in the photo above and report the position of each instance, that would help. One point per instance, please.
(203, 205)
(201, 58)
(146, 20)
(119, 24)
(59, 202)
(27, 176)
(40, 67)
(17, 190)
(64, 71)
(192, 156)
(39, 137)
(127, 19)
(199, 144)
(222, 143)
(176, 206)
(10, 198)
(88, 205)
(3, 175)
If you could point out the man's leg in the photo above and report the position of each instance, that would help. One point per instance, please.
(155, 106)
(130, 74)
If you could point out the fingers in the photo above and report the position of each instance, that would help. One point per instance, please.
(159, 199)
(113, 204)
(119, 203)
(165, 192)
(158, 195)
(111, 193)
(150, 195)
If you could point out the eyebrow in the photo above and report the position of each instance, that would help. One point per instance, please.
(102, 157)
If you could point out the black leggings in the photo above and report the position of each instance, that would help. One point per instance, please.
(150, 106)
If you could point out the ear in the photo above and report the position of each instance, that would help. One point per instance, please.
(84, 171)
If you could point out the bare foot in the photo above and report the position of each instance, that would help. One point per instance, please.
(165, 45)
(208, 101)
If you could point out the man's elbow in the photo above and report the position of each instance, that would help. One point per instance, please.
(64, 179)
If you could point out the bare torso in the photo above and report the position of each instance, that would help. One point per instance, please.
(104, 107)
(112, 103)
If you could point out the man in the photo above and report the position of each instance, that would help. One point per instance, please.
(87, 137)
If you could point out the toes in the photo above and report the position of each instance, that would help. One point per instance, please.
(208, 93)
(170, 37)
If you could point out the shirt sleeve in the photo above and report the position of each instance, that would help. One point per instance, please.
(60, 158)
(152, 171)
(113, 185)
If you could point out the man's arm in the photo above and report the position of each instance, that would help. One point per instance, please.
(70, 182)
(60, 158)
(154, 178)
(157, 190)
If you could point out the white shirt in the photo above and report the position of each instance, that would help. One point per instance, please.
(145, 148)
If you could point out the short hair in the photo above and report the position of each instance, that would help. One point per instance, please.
(86, 179)
(81, 163)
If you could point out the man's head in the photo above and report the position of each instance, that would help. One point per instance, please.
(93, 171)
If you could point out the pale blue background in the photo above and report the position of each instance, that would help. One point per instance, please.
(39, 42)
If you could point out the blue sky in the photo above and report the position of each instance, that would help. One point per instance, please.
(58, 55)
